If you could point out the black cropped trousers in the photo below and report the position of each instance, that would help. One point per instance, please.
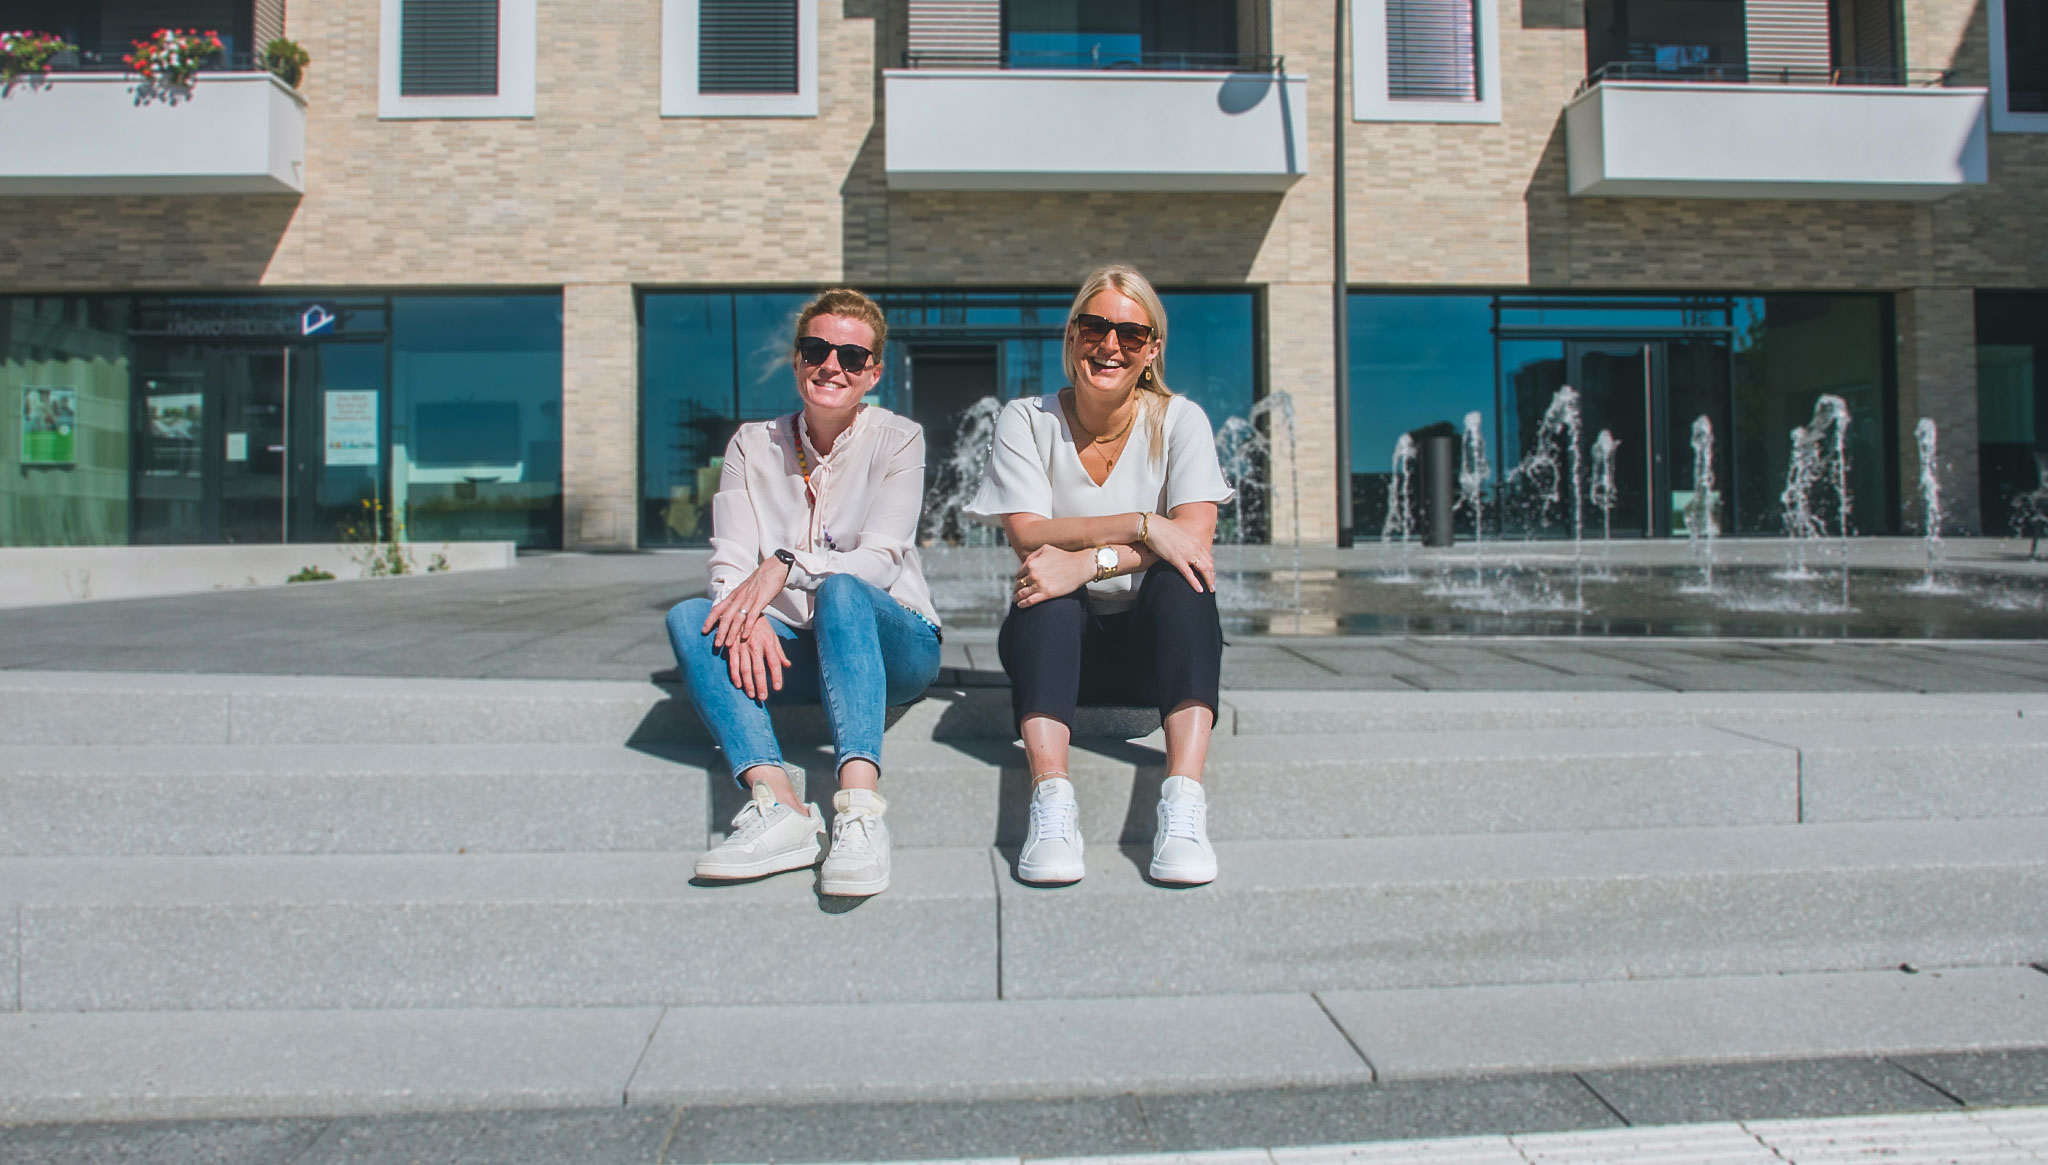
(1163, 651)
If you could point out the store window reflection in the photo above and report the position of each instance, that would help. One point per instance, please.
(66, 374)
(476, 437)
(2012, 411)
(710, 361)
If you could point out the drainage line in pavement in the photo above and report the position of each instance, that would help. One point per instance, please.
(1372, 1072)
(1958, 1101)
(1595, 1092)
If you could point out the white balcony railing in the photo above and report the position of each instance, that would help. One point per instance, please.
(1707, 139)
(1046, 129)
(101, 133)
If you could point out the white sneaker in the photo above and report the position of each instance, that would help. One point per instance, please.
(767, 837)
(1180, 850)
(1052, 850)
(859, 862)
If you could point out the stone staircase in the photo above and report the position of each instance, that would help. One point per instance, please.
(236, 895)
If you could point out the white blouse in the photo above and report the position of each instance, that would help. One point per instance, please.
(869, 492)
(1034, 468)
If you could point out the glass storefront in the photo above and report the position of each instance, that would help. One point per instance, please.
(712, 360)
(208, 419)
(2012, 408)
(1645, 368)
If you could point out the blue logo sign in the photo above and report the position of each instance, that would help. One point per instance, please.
(317, 320)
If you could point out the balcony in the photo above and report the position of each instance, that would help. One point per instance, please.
(1144, 125)
(1637, 133)
(98, 133)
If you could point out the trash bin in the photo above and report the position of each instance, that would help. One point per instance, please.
(1439, 483)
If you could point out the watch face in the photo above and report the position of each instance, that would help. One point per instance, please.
(1105, 558)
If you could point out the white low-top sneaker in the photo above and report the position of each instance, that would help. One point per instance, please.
(1180, 849)
(858, 864)
(767, 837)
(1052, 849)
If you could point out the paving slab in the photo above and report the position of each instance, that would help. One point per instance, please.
(301, 1063)
(1901, 771)
(527, 930)
(1400, 1110)
(1013, 1049)
(1520, 908)
(1962, 1137)
(182, 1142)
(1772, 1090)
(133, 800)
(1573, 1026)
(519, 1137)
(981, 1130)
(1985, 1079)
(1303, 712)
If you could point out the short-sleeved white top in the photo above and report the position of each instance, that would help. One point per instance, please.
(1034, 468)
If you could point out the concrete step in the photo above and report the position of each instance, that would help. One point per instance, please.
(1530, 908)
(482, 930)
(196, 1064)
(524, 798)
(544, 930)
(58, 708)
(366, 798)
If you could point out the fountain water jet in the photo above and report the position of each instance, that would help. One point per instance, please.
(1604, 495)
(1820, 459)
(1925, 437)
(1400, 499)
(1700, 523)
(1473, 471)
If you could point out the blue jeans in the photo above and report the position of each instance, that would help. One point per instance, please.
(864, 652)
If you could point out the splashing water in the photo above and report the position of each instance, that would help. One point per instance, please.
(1246, 454)
(1473, 472)
(1700, 523)
(1925, 437)
(1400, 500)
(948, 530)
(1820, 462)
(1603, 494)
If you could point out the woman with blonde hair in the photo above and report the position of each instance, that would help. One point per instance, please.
(816, 596)
(1108, 490)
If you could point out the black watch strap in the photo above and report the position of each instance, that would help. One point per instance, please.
(786, 558)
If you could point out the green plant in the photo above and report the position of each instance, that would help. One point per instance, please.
(286, 59)
(310, 574)
(27, 54)
(437, 564)
(172, 57)
(377, 555)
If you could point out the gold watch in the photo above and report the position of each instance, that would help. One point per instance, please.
(1107, 563)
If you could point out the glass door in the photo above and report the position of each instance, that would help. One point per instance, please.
(209, 445)
(1617, 383)
(339, 423)
(248, 385)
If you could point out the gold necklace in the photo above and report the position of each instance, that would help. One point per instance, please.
(1095, 440)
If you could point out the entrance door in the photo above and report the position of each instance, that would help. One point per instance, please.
(1617, 383)
(209, 436)
(944, 383)
(1648, 393)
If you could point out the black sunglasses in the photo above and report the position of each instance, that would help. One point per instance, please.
(1129, 333)
(814, 349)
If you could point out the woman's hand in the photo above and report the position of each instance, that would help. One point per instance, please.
(1188, 552)
(756, 660)
(734, 615)
(1049, 572)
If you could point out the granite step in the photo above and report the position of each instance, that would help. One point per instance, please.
(607, 930)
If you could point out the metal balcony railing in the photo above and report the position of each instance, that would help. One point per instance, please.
(1106, 62)
(109, 61)
(1863, 76)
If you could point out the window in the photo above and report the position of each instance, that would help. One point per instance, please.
(739, 58)
(2019, 66)
(1125, 34)
(456, 58)
(1425, 60)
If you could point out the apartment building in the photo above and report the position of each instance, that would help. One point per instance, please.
(514, 268)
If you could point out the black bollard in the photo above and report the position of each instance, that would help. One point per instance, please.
(1439, 488)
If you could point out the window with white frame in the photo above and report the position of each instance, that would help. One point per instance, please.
(2019, 66)
(456, 58)
(1425, 60)
(739, 58)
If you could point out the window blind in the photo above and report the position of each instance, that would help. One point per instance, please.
(1432, 50)
(448, 48)
(2026, 56)
(746, 46)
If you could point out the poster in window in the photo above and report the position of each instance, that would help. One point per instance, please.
(49, 426)
(352, 427)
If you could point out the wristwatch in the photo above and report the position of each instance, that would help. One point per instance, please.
(1106, 563)
(786, 558)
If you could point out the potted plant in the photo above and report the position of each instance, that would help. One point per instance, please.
(171, 57)
(286, 59)
(27, 54)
